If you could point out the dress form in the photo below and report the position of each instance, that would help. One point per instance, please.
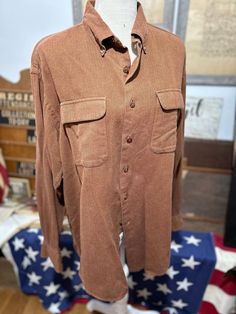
(119, 15)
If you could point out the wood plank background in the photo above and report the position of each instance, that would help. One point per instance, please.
(17, 135)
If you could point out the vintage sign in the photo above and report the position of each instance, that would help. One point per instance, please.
(18, 133)
(13, 117)
(16, 100)
(203, 117)
(16, 108)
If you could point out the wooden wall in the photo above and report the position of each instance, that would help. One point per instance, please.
(17, 127)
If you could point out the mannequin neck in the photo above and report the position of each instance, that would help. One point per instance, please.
(119, 15)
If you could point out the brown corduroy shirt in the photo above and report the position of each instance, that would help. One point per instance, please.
(109, 147)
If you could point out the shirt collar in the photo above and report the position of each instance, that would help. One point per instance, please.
(102, 31)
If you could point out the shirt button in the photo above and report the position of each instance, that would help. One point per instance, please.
(102, 50)
(126, 69)
(125, 196)
(132, 103)
(129, 139)
(126, 168)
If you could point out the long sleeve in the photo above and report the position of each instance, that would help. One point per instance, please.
(48, 178)
(177, 220)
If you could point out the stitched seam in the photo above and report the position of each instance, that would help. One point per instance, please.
(168, 90)
(67, 102)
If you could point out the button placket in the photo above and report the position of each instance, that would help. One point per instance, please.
(127, 138)
(135, 64)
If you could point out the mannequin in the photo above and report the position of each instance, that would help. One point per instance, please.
(119, 15)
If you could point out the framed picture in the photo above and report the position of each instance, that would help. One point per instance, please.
(210, 128)
(208, 29)
(19, 188)
(157, 12)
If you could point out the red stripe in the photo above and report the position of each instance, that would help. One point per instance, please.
(227, 284)
(76, 301)
(207, 308)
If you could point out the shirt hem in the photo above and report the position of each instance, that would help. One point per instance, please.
(149, 272)
(102, 298)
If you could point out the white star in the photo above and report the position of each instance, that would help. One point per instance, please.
(163, 288)
(47, 263)
(192, 240)
(26, 262)
(65, 253)
(68, 273)
(175, 246)
(51, 289)
(77, 263)
(33, 278)
(31, 253)
(131, 283)
(179, 303)
(170, 310)
(184, 284)
(191, 263)
(148, 277)
(40, 237)
(63, 294)
(171, 272)
(54, 307)
(78, 287)
(143, 293)
(18, 244)
(34, 230)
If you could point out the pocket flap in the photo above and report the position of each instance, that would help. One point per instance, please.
(83, 109)
(170, 99)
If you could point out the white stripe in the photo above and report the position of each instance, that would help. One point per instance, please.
(225, 260)
(223, 302)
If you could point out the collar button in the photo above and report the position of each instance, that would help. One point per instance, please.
(103, 51)
(126, 69)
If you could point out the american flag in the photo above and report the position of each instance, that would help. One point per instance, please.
(181, 290)
(220, 295)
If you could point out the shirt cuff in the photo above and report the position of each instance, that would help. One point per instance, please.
(53, 254)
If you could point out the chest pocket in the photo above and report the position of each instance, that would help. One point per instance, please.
(164, 131)
(85, 124)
